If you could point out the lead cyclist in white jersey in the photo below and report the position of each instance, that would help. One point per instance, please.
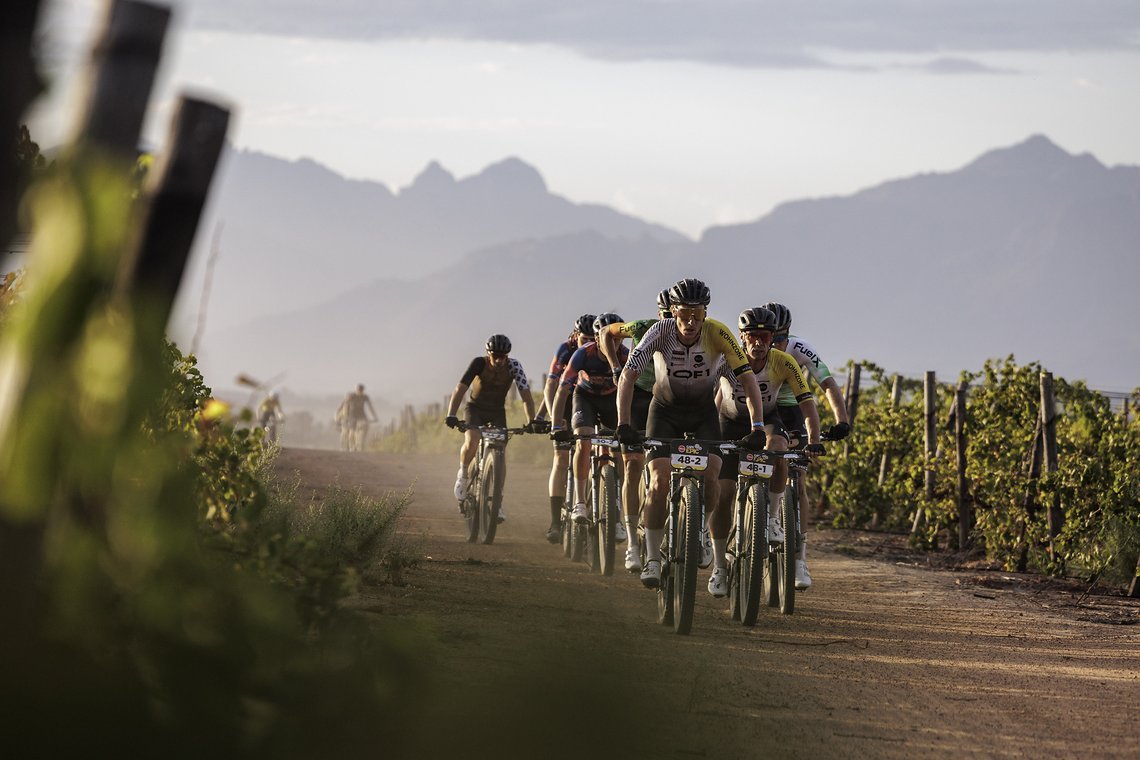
(684, 351)
(811, 363)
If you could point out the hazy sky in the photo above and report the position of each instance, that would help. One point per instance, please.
(685, 112)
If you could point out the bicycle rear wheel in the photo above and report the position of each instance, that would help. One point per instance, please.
(688, 557)
(786, 552)
(755, 553)
(608, 512)
(490, 496)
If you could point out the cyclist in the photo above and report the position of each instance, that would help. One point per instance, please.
(353, 415)
(589, 377)
(582, 333)
(489, 377)
(609, 341)
(684, 351)
(774, 372)
(269, 413)
(810, 363)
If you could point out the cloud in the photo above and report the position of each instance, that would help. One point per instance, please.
(950, 65)
(760, 33)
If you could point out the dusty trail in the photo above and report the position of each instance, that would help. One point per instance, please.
(539, 658)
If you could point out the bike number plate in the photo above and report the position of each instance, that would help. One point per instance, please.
(604, 442)
(495, 434)
(688, 456)
(752, 465)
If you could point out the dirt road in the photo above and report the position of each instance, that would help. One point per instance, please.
(539, 658)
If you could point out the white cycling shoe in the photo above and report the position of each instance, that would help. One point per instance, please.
(651, 574)
(633, 560)
(620, 533)
(803, 577)
(775, 532)
(706, 549)
(460, 485)
(718, 583)
(581, 514)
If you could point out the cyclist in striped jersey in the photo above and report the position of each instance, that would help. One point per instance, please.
(684, 351)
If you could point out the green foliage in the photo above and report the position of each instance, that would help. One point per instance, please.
(1097, 482)
(126, 629)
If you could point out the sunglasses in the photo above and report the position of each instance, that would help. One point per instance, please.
(688, 313)
(763, 335)
(498, 355)
(781, 338)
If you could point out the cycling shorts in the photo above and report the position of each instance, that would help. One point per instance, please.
(733, 430)
(674, 421)
(639, 416)
(478, 416)
(591, 410)
(792, 418)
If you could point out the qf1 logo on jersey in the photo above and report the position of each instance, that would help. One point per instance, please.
(684, 365)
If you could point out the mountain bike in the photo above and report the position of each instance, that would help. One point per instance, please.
(601, 529)
(484, 497)
(681, 544)
(747, 540)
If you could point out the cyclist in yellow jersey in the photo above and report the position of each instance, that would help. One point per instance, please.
(774, 371)
(684, 351)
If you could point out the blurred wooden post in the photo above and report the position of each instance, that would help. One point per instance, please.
(172, 205)
(1134, 589)
(931, 442)
(1054, 517)
(964, 513)
(19, 86)
(126, 57)
(1126, 411)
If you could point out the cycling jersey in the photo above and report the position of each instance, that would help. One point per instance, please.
(354, 405)
(562, 356)
(809, 362)
(489, 385)
(686, 375)
(589, 371)
(780, 373)
(636, 330)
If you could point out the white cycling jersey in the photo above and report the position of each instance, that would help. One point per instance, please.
(810, 363)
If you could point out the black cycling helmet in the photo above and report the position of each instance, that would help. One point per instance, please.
(499, 344)
(689, 293)
(608, 318)
(758, 318)
(782, 313)
(663, 301)
(585, 325)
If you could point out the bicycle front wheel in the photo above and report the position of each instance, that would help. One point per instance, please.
(688, 557)
(786, 552)
(754, 553)
(606, 489)
(490, 496)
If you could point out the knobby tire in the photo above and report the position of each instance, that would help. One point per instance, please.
(688, 558)
(755, 549)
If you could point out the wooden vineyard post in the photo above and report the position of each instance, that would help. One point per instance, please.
(931, 442)
(964, 512)
(1029, 503)
(1054, 516)
(885, 461)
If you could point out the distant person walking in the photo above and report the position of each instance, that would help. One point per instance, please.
(353, 418)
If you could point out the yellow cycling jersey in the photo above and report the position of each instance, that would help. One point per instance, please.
(779, 371)
(687, 374)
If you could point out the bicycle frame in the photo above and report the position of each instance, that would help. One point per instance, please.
(484, 497)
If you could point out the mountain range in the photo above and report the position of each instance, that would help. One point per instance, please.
(324, 281)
